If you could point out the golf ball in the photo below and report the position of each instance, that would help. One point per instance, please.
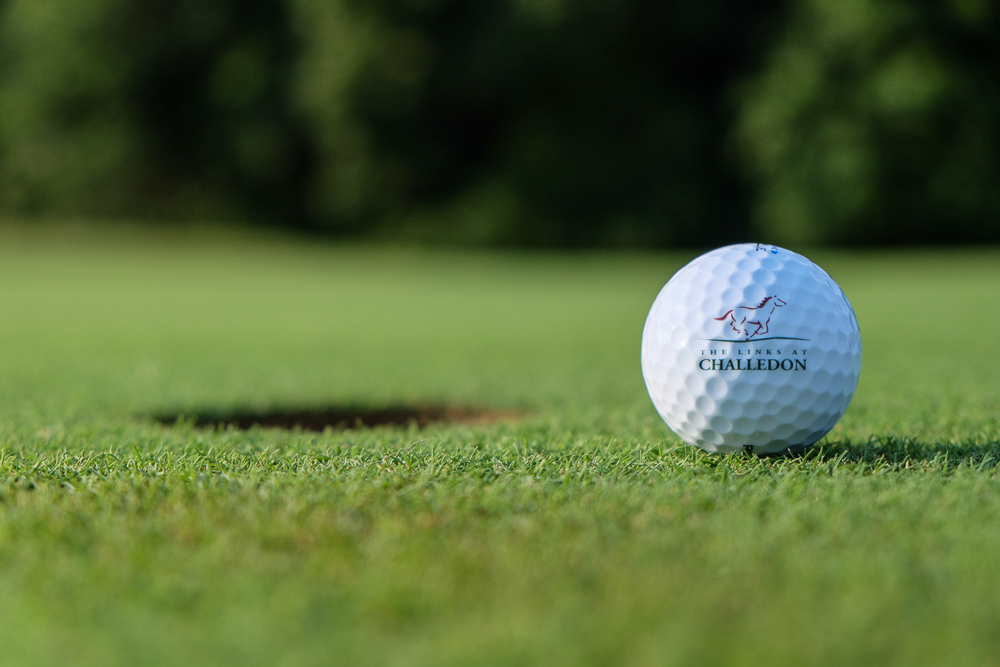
(751, 347)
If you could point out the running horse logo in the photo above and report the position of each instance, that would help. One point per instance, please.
(752, 321)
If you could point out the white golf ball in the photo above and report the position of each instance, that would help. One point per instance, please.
(751, 347)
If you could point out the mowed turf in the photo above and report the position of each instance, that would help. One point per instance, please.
(583, 533)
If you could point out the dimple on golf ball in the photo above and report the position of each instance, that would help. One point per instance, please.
(751, 347)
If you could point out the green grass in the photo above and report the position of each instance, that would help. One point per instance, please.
(583, 534)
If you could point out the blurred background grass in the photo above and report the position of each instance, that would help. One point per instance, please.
(120, 322)
(505, 122)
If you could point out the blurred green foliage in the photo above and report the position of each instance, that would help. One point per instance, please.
(153, 107)
(516, 122)
(557, 122)
(877, 121)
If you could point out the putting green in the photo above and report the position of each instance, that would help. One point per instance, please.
(581, 532)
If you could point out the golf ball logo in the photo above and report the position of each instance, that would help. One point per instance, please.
(751, 347)
(751, 321)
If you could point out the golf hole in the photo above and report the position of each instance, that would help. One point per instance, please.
(342, 418)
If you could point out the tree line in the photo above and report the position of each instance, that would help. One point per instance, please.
(511, 122)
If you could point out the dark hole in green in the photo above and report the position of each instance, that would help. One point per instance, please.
(340, 417)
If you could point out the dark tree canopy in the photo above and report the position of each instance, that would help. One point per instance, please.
(514, 122)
